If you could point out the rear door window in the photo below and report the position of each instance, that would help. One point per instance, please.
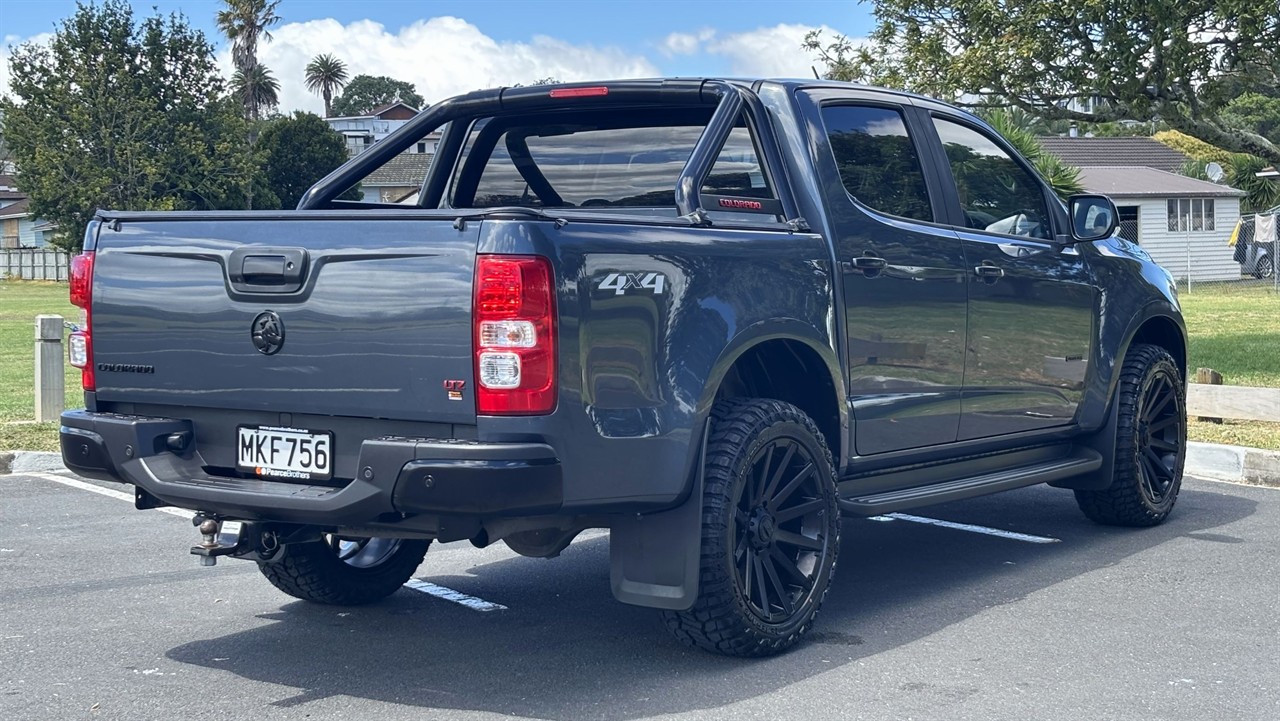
(878, 161)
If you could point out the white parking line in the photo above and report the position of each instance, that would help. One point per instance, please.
(458, 597)
(1028, 538)
(448, 594)
(108, 492)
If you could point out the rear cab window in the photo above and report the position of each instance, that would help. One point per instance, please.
(606, 161)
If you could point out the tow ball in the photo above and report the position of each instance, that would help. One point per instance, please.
(218, 538)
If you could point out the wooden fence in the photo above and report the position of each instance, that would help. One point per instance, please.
(33, 264)
(1236, 402)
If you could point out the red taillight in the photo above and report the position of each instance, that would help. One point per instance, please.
(579, 92)
(514, 335)
(80, 345)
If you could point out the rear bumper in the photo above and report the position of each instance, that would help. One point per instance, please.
(396, 476)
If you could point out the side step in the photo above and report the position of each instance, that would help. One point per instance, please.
(1078, 461)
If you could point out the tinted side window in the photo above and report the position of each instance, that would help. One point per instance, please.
(877, 160)
(996, 194)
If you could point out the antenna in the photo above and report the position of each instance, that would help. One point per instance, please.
(1214, 171)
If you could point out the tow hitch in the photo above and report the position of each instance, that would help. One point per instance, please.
(218, 538)
(244, 539)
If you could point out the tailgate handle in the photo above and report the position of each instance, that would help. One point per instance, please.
(268, 270)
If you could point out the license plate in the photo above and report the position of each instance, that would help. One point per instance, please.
(273, 452)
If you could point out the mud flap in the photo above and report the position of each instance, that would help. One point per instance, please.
(654, 559)
(1103, 441)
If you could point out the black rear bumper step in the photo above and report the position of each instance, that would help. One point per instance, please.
(444, 477)
(1078, 461)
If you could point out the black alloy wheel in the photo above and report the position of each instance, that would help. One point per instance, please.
(1161, 437)
(778, 528)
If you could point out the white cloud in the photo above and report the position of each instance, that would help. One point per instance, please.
(769, 52)
(685, 43)
(441, 56)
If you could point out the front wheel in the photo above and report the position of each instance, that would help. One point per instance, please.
(1151, 443)
(344, 571)
(770, 531)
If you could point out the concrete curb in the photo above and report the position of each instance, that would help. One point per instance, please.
(1237, 464)
(26, 461)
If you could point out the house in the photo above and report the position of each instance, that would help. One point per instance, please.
(17, 228)
(362, 131)
(1184, 223)
(399, 180)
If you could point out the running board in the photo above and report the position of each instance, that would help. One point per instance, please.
(1079, 461)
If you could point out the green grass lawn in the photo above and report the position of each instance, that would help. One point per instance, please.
(1233, 331)
(20, 303)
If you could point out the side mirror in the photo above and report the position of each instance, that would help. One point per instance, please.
(1093, 217)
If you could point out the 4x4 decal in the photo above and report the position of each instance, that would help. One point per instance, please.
(620, 283)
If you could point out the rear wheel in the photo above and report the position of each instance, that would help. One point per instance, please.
(1265, 268)
(1151, 443)
(345, 571)
(770, 531)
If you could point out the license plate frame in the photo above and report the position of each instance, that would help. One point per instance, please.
(316, 443)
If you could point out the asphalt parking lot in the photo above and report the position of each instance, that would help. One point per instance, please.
(104, 615)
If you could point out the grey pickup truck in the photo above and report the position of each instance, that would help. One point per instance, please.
(713, 317)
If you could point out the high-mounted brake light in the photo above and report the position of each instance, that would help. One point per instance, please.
(80, 344)
(514, 335)
(579, 92)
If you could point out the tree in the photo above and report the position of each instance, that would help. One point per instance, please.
(244, 22)
(297, 152)
(1019, 129)
(123, 115)
(257, 90)
(366, 92)
(326, 75)
(1178, 62)
(1257, 112)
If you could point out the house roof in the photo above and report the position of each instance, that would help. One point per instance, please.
(382, 109)
(1111, 152)
(1119, 182)
(9, 188)
(376, 112)
(16, 210)
(406, 169)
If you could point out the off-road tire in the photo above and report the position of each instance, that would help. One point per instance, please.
(1148, 463)
(314, 572)
(745, 433)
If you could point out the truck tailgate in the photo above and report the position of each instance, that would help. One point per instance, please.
(345, 316)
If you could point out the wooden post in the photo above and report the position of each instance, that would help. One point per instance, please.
(1208, 376)
(50, 381)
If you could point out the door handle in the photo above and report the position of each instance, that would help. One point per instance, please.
(989, 272)
(869, 262)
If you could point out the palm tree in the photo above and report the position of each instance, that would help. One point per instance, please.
(326, 75)
(257, 89)
(243, 22)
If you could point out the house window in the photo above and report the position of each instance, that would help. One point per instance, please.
(1129, 224)
(1190, 215)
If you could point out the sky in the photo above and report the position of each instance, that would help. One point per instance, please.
(446, 47)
